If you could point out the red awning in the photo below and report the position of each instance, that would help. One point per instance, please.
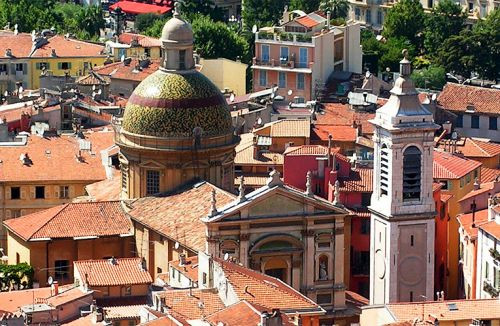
(136, 8)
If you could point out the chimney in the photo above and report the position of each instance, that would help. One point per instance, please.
(112, 261)
(53, 53)
(8, 53)
(55, 288)
(271, 319)
(476, 185)
(182, 259)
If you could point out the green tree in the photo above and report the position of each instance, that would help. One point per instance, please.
(338, 8)
(447, 19)
(28, 14)
(19, 275)
(155, 29)
(391, 53)
(307, 6)
(262, 12)
(486, 34)
(456, 54)
(433, 77)
(405, 20)
(145, 21)
(90, 21)
(192, 8)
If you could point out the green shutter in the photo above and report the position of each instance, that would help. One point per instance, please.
(59, 65)
(69, 65)
(25, 68)
(37, 65)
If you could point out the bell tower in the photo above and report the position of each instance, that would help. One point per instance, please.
(402, 209)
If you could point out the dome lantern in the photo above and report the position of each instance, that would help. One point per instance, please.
(177, 40)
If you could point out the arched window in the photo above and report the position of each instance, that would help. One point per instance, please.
(412, 168)
(323, 268)
(384, 169)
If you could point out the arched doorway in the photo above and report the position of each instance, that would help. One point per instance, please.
(277, 267)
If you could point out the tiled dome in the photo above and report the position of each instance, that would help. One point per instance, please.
(168, 104)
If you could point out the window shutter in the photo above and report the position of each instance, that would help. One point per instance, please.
(32, 192)
(47, 65)
(71, 192)
(69, 65)
(59, 65)
(23, 194)
(47, 192)
(37, 65)
(25, 68)
(7, 192)
(13, 68)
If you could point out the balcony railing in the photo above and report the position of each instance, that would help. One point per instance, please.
(282, 63)
(490, 289)
(284, 37)
(495, 254)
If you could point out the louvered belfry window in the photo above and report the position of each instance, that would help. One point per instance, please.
(412, 168)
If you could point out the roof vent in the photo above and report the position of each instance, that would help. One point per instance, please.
(53, 53)
(8, 53)
(25, 159)
(470, 108)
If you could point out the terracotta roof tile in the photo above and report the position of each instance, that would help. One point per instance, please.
(307, 21)
(107, 189)
(341, 114)
(342, 133)
(143, 40)
(245, 156)
(189, 269)
(123, 312)
(465, 220)
(315, 150)
(187, 302)
(20, 44)
(72, 220)
(178, 216)
(254, 180)
(53, 158)
(102, 272)
(484, 187)
(449, 166)
(470, 147)
(67, 47)
(359, 180)
(488, 174)
(492, 228)
(445, 197)
(264, 290)
(456, 97)
(285, 128)
(436, 186)
(93, 78)
(119, 70)
(467, 310)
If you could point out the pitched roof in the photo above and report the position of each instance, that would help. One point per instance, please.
(286, 128)
(123, 312)
(187, 302)
(245, 156)
(72, 220)
(471, 147)
(483, 187)
(112, 272)
(318, 150)
(307, 21)
(178, 216)
(489, 174)
(359, 180)
(492, 228)
(456, 97)
(107, 189)
(143, 40)
(54, 158)
(465, 220)
(466, 310)
(342, 114)
(342, 133)
(189, 269)
(93, 78)
(119, 70)
(269, 292)
(20, 44)
(450, 166)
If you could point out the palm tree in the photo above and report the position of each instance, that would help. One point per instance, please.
(338, 8)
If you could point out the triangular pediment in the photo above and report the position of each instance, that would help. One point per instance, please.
(276, 205)
(151, 165)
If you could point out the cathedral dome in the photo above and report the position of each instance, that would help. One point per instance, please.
(177, 30)
(167, 104)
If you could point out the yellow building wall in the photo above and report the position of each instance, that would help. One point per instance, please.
(78, 66)
(20, 251)
(453, 236)
(225, 73)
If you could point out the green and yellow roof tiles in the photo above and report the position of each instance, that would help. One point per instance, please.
(172, 105)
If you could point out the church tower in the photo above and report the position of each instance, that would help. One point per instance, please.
(402, 206)
(177, 126)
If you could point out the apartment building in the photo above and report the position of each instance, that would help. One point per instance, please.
(299, 55)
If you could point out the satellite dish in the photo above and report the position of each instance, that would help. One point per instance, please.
(226, 256)
(290, 92)
(176, 245)
(50, 280)
(231, 97)
(259, 121)
(254, 29)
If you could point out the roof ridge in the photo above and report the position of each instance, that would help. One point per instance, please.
(478, 146)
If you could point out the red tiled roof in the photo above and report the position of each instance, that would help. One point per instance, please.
(484, 187)
(359, 180)
(492, 228)
(20, 44)
(314, 150)
(136, 8)
(119, 70)
(187, 302)
(445, 197)
(465, 220)
(341, 114)
(342, 133)
(449, 166)
(178, 216)
(112, 272)
(107, 189)
(67, 47)
(189, 269)
(436, 186)
(53, 158)
(456, 97)
(72, 220)
(264, 290)
(143, 40)
(306, 21)
(487, 309)
(123, 312)
(488, 174)
(470, 147)
(286, 128)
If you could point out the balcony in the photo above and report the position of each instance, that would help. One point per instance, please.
(284, 37)
(287, 65)
(495, 254)
(490, 289)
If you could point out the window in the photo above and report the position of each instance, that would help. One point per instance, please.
(265, 53)
(325, 298)
(61, 268)
(368, 16)
(122, 53)
(365, 226)
(282, 79)
(42, 66)
(471, 6)
(412, 240)
(19, 67)
(63, 192)
(323, 268)
(361, 263)
(3, 69)
(263, 78)
(379, 17)
(301, 81)
(430, 3)
(493, 123)
(64, 65)
(39, 192)
(467, 178)
(460, 120)
(323, 245)
(462, 182)
(384, 169)
(411, 174)
(486, 270)
(15, 192)
(152, 182)
(303, 58)
(474, 121)
(182, 59)
(366, 199)
(284, 54)
(124, 169)
(411, 296)
(357, 13)
(476, 173)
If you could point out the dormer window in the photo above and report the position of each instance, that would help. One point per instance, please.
(412, 168)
